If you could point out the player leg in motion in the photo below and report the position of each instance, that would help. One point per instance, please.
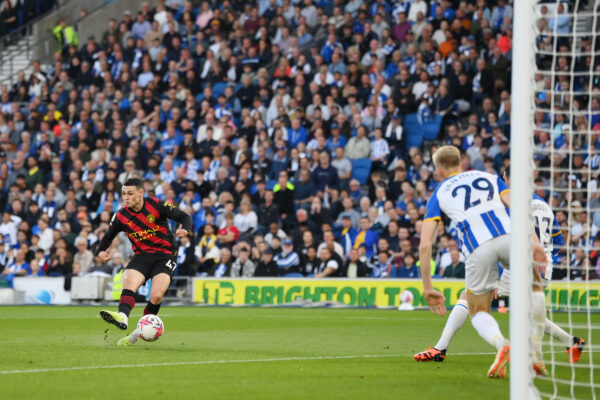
(477, 203)
(459, 315)
(548, 237)
(145, 220)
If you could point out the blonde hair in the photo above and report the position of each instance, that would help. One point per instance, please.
(447, 157)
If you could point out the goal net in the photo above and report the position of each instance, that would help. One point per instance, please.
(555, 154)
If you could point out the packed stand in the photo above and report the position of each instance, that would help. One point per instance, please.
(286, 129)
(16, 13)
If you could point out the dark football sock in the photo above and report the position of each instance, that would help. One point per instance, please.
(127, 301)
(151, 308)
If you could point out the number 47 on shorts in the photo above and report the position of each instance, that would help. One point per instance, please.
(171, 265)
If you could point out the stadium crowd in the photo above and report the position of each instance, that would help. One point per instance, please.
(279, 126)
(16, 13)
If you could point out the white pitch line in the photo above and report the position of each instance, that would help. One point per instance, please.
(30, 317)
(208, 362)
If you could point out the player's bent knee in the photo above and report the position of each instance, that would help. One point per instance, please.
(156, 298)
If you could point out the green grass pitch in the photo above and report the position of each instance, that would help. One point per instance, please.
(249, 353)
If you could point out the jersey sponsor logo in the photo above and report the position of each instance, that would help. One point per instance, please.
(151, 218)
(170, 205)
(144, 234)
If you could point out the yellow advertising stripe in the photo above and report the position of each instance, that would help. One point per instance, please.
(360, 292)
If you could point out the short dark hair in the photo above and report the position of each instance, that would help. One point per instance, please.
(137, 182)
(506, 174)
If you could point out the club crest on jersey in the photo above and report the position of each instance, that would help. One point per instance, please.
(151, 218)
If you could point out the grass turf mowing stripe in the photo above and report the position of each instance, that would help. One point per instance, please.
(208, 362)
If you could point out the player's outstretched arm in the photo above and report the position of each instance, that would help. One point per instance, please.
(113, 229)
(435, 300)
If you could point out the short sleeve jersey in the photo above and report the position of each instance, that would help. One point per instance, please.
(472, 199)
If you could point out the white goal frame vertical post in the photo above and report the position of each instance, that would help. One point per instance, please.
(521, 155)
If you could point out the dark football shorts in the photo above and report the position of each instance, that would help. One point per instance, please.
(151, 265)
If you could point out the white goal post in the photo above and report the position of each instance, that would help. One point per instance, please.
(521, 151)
(555, 140)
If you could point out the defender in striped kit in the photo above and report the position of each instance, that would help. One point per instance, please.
(477, 202)
(549, 232)
(145, 220)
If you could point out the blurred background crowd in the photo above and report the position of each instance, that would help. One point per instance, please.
(298, 134)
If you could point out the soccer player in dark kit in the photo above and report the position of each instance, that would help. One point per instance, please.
(145, 220)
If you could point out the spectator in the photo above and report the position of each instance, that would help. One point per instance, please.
(381, 266)
(46, 235)
(229, 234)
(329, 242)
(39, 265)
(242, 266)
(328, 266)
(287, 261)
(284, 192)
(83, 257)
(354, 267)
(61, 263)
(268, 212)
(304, 189)
(366, 236)
(246, 220)
(207, 252)
(18, 267)
(358, 146)
(408, 270)
(456, 269)
(8, 228)
(65, 35)
(223, 267)
(266, 266)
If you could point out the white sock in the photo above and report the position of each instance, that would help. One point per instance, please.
(556, 331)
(135, 335)
(538, 314)
(456, 320)
(488, 329)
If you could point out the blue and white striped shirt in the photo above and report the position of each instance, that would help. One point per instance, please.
(473, 201)
(288, 260)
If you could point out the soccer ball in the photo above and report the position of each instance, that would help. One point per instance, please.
(407, 297)
(151, 327)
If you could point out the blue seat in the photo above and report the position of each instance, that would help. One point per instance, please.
(413, 131)
(271, 183)
(218, 88)
(431, 129)
(361, 169)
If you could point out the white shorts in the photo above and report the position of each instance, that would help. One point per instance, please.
(481, 269)
(504, 285)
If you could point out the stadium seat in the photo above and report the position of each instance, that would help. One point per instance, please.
(271, 183)
(361, 168)
(218, 89)
(431, 129)
(413, 131)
